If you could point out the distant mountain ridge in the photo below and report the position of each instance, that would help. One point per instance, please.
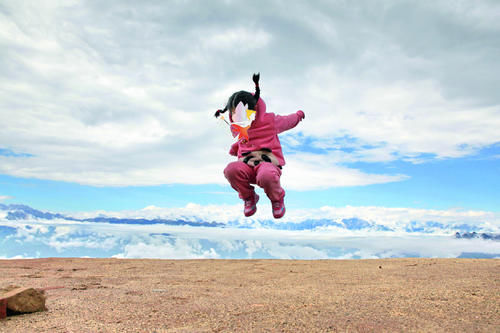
(20, 212)
(482, 235)
(23, 212)
(463, 231)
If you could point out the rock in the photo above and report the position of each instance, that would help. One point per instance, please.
(3, 308)
(24, 300)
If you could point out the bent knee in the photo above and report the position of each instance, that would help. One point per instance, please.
(268, 176)
(234, 169)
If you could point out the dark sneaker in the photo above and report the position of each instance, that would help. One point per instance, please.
(278, 208)
(251, 205)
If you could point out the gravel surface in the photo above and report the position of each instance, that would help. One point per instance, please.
(395, 295)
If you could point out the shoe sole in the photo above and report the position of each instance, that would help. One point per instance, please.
(281, 214)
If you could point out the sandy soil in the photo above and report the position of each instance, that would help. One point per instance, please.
(396, 295)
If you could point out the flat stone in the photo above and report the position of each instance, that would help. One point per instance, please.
(24, 300)
(3, 308)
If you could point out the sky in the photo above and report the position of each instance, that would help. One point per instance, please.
(108, 106)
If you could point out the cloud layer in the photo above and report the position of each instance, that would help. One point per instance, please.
(123, 94)
(326, 233)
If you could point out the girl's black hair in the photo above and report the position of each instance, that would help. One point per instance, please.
(243, 96)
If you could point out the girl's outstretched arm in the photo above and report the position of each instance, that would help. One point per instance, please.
(284, 123)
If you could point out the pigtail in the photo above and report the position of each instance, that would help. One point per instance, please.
(255, 79)
(218, 112)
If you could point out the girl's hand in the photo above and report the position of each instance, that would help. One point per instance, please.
(301, 114)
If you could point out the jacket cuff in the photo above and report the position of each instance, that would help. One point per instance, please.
(234, 150)
(301, 114)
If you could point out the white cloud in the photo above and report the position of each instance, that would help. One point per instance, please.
(94, 242)
(252, 246)
(19, 256)
(306, 171)
(403, 118)
(235, 41)
(435, 247)
(277, 250)
(179, 249)
(28, 232)
(102, 95)
(5, 197)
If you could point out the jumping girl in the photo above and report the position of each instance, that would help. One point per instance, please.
(260, 159)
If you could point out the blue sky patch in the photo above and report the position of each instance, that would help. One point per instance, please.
(10, 153)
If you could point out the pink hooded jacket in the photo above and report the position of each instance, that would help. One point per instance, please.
(263, 133)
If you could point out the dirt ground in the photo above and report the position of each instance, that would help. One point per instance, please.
(394, 295)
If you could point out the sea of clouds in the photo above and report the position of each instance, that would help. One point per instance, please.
(197, 232)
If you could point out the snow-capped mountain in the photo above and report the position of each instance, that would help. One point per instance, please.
(198, 231)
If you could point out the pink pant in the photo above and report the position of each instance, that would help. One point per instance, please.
(267, 175)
